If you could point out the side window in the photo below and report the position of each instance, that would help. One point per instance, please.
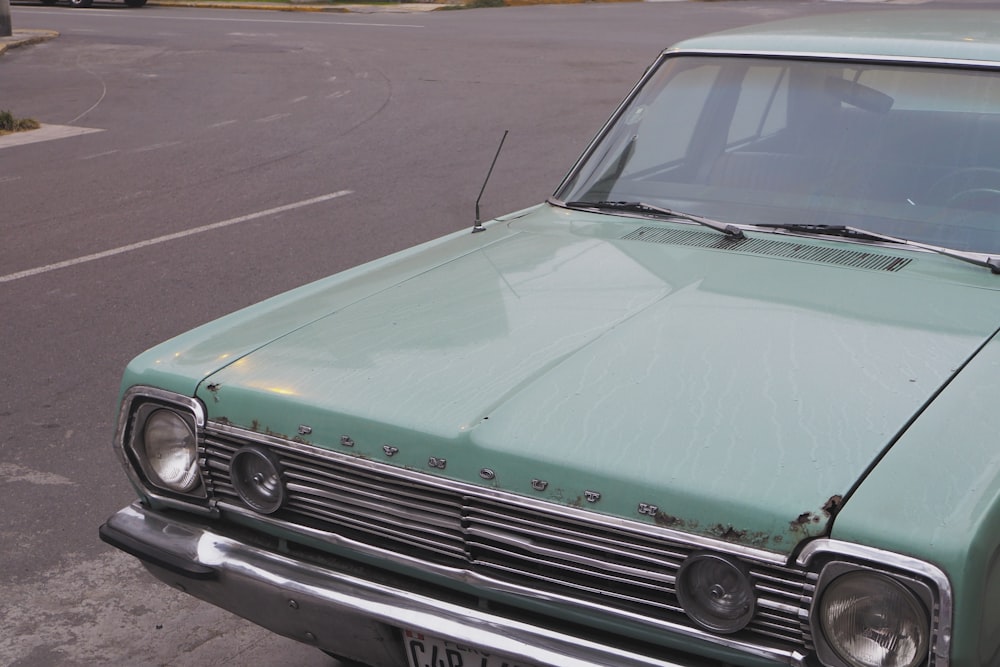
(761, 109)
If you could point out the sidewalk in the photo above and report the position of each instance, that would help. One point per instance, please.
(26, 37)
(310, 6)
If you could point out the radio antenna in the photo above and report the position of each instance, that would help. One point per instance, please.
(478, 226)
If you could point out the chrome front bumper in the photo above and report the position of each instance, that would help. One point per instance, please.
(346, 614)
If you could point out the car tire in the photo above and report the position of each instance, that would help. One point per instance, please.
(135, 3)
(81, 3)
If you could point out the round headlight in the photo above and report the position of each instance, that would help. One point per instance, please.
(256, 476)
(171, 451)
(870, 620)
(716, 592)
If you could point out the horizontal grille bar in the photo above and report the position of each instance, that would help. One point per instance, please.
(529, 545)
(621, 569)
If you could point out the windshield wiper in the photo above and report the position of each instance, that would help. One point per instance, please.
(979, 259)
(642, 207)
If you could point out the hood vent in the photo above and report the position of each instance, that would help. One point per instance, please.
(790, 250)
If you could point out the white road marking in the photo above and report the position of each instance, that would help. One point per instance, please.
(97, 155)
(10, 277)
(272, 118)
(154, 147)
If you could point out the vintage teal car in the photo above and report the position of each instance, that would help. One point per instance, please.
(729, 397)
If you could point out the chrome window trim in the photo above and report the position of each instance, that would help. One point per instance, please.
(940, 647)
(834, 57)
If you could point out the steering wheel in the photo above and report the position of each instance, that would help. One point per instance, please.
(976, 188)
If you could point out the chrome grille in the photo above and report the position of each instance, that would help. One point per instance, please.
(395, 512)
(617, 567)
(613, 566)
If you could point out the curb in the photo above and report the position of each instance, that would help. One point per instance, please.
(26, 37)
(400, 8)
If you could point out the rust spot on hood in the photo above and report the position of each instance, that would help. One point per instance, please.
(806, 518)
(832, 505)
(737, 536)
(802, 521)
(728, 533)
(214, 388)
(665, 520)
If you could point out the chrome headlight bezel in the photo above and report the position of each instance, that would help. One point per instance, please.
(834, 573)
(182, 415)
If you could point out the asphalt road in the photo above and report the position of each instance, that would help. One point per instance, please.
(219, 139)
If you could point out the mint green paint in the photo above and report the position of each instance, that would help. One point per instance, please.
(936, 496)
(737, 393)
(180, 363)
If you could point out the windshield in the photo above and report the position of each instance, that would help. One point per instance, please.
(907, 151)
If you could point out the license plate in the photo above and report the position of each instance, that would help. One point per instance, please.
(426, 651)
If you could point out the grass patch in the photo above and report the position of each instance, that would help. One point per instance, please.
(8, 123)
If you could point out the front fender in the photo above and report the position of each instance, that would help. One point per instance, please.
(936, 496)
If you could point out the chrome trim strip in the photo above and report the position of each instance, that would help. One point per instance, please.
(252, 569)
(840, 57)
(878, 558)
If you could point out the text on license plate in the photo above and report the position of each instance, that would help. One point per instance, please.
(426, 651)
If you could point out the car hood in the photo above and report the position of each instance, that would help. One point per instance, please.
(707, 389)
